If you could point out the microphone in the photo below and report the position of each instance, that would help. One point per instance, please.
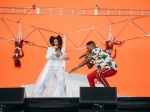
(56, 48)
(82, 56)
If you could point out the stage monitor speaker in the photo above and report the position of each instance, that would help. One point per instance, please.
(98, 97)
(12, 98)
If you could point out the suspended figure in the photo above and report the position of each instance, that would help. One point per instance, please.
(17, 55)
(18, 47)
(109, 46)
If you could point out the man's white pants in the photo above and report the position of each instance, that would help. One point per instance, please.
(60, 85)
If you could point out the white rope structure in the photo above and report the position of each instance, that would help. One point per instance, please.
(20, 32)
(88, 29)
(110, 33)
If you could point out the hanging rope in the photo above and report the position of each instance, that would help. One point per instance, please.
(109, 37)
(135, 38)
(110, 33)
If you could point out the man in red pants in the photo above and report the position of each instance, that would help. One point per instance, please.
(105, 64)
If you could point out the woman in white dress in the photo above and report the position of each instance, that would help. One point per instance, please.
(51, 82)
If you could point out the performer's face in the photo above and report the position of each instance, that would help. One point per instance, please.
(55, 42)
(89, 48)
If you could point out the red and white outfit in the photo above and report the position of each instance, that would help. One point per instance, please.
(106, 67)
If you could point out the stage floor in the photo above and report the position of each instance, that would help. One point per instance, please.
(71, 103)
(124, 104)
(73, 84)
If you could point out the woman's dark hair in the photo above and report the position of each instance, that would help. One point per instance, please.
(52, 38)
(59, 41)
(17, 64)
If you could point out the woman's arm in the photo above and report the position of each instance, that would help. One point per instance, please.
(22, 54)
(63, 51)
(64, 54)
(59, 53)
(50, 52)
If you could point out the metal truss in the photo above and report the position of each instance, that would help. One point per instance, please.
(66, 36)
(74, 11)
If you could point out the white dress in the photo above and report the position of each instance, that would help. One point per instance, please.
(51, 82)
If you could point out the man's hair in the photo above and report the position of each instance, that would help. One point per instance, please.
(91, 43)
(51, 40)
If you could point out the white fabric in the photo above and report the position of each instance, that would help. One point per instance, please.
(52, 77)
(110, 36)
(18, 48)
(64, 45)
(19, 34)
(15, 54)
(109, 51)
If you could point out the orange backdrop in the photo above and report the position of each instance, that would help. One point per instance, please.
(132, 58)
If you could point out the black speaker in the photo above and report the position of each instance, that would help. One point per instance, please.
(12, 98)
(98, 97)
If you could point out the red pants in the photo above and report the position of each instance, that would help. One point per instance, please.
(101, 75)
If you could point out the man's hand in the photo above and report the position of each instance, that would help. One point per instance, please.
(87, 54)
(74, 69)
(84, 62)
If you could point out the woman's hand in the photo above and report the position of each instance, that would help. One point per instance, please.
(57, 49)
(59, 53)
(66, 58)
